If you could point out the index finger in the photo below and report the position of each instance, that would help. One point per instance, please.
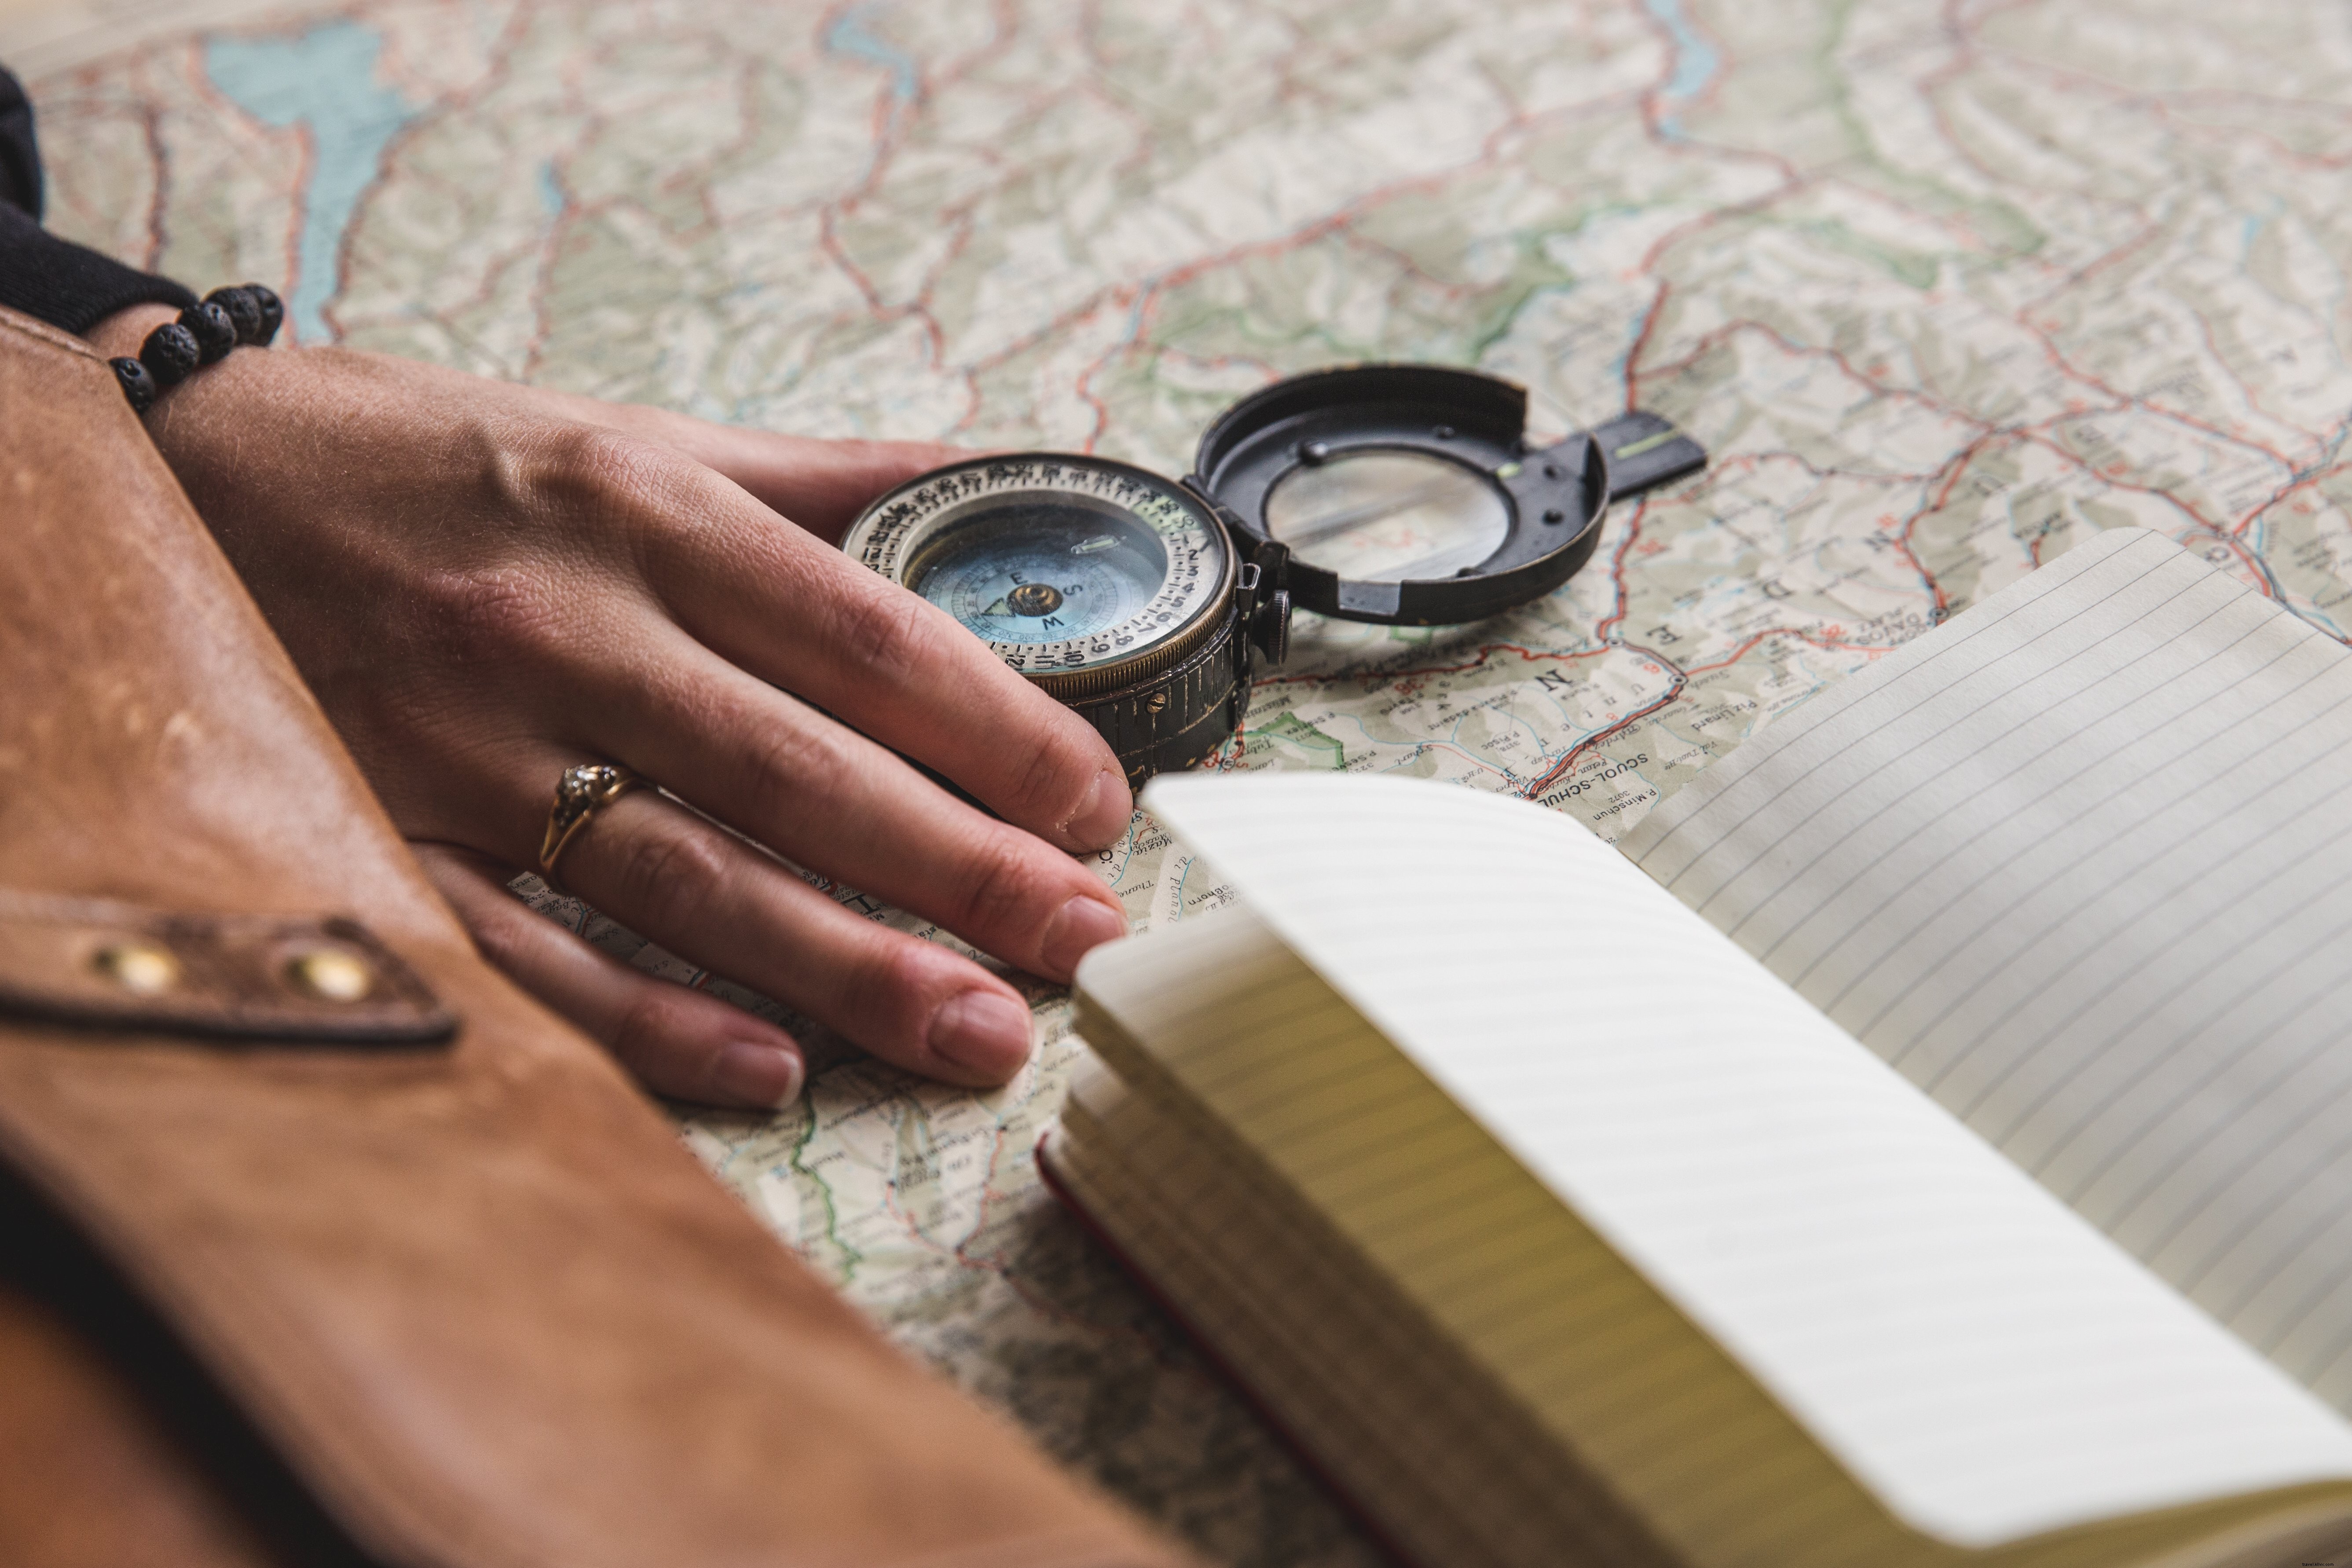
(818, 484)
(801, 616)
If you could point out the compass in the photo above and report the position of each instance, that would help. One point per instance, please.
(1117, 591)
(1401, 494)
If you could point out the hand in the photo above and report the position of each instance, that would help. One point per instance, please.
(487, 584)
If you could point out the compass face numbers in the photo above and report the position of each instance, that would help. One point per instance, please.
(1388, 516)
(1060, 564)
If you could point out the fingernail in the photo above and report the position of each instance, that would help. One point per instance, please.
(751, 1072)
(1105, 815)
(983, 1031)
(1081, 924)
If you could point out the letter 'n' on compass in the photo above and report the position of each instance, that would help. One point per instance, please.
(1404, 494)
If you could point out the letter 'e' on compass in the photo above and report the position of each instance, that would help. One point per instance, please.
(1404, 494)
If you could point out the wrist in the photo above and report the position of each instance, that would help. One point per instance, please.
(202, 334)
(123, 331)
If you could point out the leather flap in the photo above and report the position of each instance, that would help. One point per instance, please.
(111, 966)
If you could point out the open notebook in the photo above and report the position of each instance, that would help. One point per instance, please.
(1930, 1141)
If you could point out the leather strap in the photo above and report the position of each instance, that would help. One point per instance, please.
(476, 1296)
(113, 966)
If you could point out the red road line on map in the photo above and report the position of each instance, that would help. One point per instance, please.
(1968, 57)
(1577, 751)
(1683, 678)
(1423, 672)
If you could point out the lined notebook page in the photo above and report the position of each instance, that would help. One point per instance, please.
(1413, 1432)
(1419, 1265)
(2080, 864)
(1988, 1364)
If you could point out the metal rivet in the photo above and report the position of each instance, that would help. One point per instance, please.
(1157, 702)
(1554, 516)
(139, 968)
(1315, 452)
(331, 974)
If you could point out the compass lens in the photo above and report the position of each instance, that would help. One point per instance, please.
(1388, 516)
(1041, 567)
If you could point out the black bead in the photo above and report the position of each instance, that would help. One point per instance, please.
(273, 311)
(169, 353)
(209, 325)
(244, 312)
(137, 385)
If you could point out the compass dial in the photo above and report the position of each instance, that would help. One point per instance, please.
(1042, 569)
(1066, 565)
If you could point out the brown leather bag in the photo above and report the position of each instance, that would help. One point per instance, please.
(296, 1276)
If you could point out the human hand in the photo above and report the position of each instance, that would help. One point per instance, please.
(487, 584)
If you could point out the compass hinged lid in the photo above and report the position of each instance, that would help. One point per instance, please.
(1409, 494)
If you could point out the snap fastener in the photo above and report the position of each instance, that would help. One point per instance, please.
(331, 975)
(139, 968)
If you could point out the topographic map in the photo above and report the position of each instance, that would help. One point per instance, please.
(1944, 288)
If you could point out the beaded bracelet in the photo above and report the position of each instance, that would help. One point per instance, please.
(204, 333)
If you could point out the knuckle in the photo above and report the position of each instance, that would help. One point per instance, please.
(786, 765)
(885, 989)
(999, 885)
(664, 875)
(504, 942)
(639, 1034)
(1055, 777)
(580, 465)
(889, 633)
(579, 487)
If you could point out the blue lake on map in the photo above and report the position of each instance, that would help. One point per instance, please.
(852, 35)
(1695, 61)
(325, 82)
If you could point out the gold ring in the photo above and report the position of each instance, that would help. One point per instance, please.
(581, 794)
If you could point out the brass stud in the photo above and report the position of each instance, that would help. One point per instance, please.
(139, 967)
(1157, 702)
(331, 974)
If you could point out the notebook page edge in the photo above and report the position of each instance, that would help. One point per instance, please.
(1779, 1484)
(2284, 1531)
(2094, 917)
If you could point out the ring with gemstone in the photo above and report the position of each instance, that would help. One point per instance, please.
(580, 794)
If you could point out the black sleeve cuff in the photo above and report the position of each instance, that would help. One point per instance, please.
(20, 152)
(68, 285)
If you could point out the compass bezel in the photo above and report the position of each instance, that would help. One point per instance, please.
(898, 531)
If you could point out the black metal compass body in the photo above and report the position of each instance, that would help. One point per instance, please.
(1405, 494)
